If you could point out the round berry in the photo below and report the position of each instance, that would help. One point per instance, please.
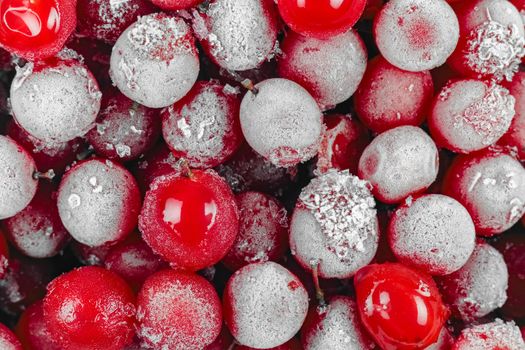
(329, 69)
(491, 186)
(399, 306)
(515, 136)
(281, 121)
(494, 335)
(55, 101)
(36, 29)
(203, 127)
(469, 115)
(433, 233)
(264, 305)
(334, 227)
(4, 255)
(237, 35)
(177, 310)
(17, 183)
(389, 97)
(90, 308)
(98, 202)
(321, 19)
(175, 5)
(398, 163)
(33, 331)
(8, 340)
(154, 62)
(191, 220)
(416, 35)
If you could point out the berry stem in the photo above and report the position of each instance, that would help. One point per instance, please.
(248, 84)
(185, 168)
(48, 175)
(319, 294)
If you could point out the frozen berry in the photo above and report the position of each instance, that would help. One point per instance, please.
(91, 256)
(98, 202)
(156, 162)
(515, 136)
(203, 127)
(55, 101)
(178, 311)
(399, 306)
(263, 231)
(174, 5)
(36, 29)
(334, 227)
(389, 97)
(90, 308)
(17, 183)
(491, 186)
(398, 163)
(479, 287)
(469, 115)
(190, 220)
(154, 62)
(433, 233)
(124, 129)
(8, 340)
(4, 255)
(281, 121)
(237, 34)
(293, 344)
(497, 335)
(416, 35)
(33, 331)
(322, 19)
(335, 326)
(264, 305)
(329, 69)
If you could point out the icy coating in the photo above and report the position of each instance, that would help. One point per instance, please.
(17, 185)
(237, 34)
(55, 103)
(281, 121)
(480, 286)
(494, 335)
(268, 303)
(433, 233)
(8, 341)
(154, 62)
(416, 35)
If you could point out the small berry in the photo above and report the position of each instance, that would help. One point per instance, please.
(33, 331)
(497, 335)
(174, 5)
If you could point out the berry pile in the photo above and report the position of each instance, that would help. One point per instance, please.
(260, 174)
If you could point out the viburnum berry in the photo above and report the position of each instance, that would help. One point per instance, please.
(33, 331)
(8, 340)
(174, 5)
(497, 335)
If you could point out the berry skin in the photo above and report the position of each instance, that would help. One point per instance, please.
(400, 307)
(497, 335)
(321, 19)
(178, 311)
(8, 340)
(293, 344)
(190, 221)
(32, 330)
(36, 29)
(90, 308)
(174, 5)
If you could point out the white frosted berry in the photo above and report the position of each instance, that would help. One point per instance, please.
(493, 335)
(281, 121)
(17, 184)
(334, 226)
(154, 62)
(416, 35)
(55, 102)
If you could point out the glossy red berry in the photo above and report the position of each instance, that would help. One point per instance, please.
(400, 307)
(8, 340)
(32, 330)
(36, 29)
(321, 18)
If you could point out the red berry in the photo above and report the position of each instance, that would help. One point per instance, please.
(223, 342)
(8, 340)
(90, 256)
(400, 307)
(191, 221)
(90, 308)
(36, 29)
(32, 330)
(497, 335)
(156, 162)
(321, 18)
(177, 310)
(174, 5)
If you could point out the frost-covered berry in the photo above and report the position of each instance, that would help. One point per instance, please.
(237, 34)
(398, 163)
(203, 127)
(491, 186)
(264, 305)
(55, 101)
(334, 227)
(469, 115)
(156, 162)
(281, 121)
(433, 233)
(494, 335)
(98, 202)
(293, 344)
(124, 129)
(32, 330)
(335, 326)
(389, 97)
(178, 311)
(17, 184)
(329, 69)
(515, 136)
(416, 35)
(154, 62)
(479, 287)
(263, 231)
(8, 340)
